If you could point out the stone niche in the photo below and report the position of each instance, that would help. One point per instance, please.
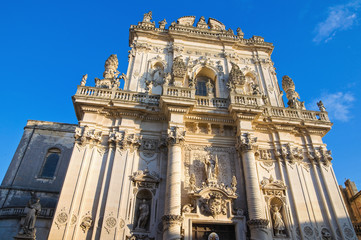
(145, 185)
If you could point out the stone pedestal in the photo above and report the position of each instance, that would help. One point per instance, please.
(24, 237)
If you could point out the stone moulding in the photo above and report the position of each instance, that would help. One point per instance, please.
(258, 223)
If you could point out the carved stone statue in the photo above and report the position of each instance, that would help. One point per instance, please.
(211, 167)
(33, 208)
(240, 33)
(210, 87)
(202, 23)
(83, 80)
(143, 215)
(162, 24)
(157, 76)
(234, 183)
(278, 224)
(255, 89)
(147, 17)
(192, 182)
(321, 106)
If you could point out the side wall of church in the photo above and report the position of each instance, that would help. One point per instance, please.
(24, 176)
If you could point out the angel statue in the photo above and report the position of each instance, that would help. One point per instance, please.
(211, 167)
(278, 224)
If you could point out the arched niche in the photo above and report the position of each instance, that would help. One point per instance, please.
(156, 75)
(250, 80)
(205, 81)
(143, 208)
(278, 215)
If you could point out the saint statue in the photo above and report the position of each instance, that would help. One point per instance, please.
(33, 209)
(158, 75)
(143, 215)
(278, 224)
(211, 167)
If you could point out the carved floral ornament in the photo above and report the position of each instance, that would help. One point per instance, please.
(289, 153)
(246, 142)
(321, 155)
(85, 135)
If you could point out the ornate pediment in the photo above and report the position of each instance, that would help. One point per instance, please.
(273, 187)
(186, 20)
(145, 179)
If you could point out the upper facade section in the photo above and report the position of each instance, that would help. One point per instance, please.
(200, 66)
(205, 55)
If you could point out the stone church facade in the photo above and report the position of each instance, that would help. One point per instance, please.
(198, 145)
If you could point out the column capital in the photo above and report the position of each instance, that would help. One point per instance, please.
(175, 135)
(246, 142)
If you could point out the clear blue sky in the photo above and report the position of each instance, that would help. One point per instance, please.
(46, 47)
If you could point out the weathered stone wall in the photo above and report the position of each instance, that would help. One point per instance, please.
(23, 177)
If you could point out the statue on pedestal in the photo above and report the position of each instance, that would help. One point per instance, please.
(33, 209)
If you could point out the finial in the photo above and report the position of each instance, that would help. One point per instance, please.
(83, 80)
(289, 86)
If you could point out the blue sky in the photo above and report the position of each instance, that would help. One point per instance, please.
(46, 47)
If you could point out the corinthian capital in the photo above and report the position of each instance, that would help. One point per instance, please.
(175, 135)
(246, 142)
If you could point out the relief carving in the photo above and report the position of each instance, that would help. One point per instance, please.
(246, 142)
(86, 223)
(175, 135)
(213, 204)
(179, 70)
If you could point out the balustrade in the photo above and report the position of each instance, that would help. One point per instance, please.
(201, 101)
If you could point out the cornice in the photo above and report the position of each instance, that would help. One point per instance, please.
(209, 119)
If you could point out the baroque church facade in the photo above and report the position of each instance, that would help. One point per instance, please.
(197, 145)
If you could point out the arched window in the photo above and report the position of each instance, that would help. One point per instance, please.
(205, 80)
(201, 86)
(50, 163)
